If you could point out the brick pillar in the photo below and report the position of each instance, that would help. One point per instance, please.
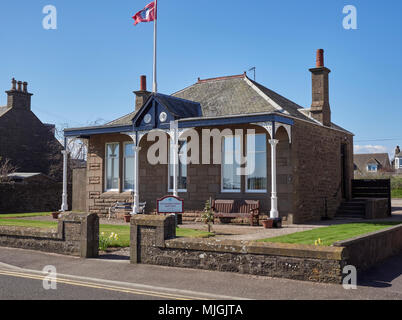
(147, 231)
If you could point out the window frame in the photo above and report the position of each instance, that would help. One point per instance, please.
(168, 171)
(263, 191)
(105, 170)
(124, 166)
(368, 167)
(222, 164)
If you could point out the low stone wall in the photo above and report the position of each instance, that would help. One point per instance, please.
(370, 249)
(153, 242)
(377, 208)
(77, 234)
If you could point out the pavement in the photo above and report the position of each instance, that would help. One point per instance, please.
(118, 279)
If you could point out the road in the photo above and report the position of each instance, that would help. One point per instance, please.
(119, 280)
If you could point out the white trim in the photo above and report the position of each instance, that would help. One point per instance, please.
(265, 97)
(222, 163)
(124, 165)
(168, 170)
(266, 167)
(105, 170)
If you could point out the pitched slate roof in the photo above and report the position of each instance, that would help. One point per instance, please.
(181, 108)
(236, 95)
(229, 96)
(361, 160)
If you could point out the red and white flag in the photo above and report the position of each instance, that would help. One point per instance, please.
(147, 14)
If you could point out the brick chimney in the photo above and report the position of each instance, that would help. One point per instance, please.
(320, 108)
(142, 95)
(19, 97)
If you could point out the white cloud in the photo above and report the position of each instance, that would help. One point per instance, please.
(370, 149)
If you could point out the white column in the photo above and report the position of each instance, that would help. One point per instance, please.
(136, 199)
(274, 198)
(64, 204)
(175, 147)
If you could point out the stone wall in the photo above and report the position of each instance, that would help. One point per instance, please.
(28, 197)
(370, 249)
(79, 197)
(153, 242)
(77, 234)
(317, 172)
(377, 208)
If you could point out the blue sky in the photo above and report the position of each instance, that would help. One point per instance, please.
(88, 67)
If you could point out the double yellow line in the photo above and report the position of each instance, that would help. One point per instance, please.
(99, 286)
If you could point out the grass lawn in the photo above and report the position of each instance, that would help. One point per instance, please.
(122, 231)
(396, 193)
(332, 234)
(24, 215)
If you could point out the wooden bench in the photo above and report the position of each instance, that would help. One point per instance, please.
(119, 209)
(230, 209)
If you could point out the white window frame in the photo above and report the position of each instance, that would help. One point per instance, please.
(168, 171)
(222, 159)
(399, 163)
(376, 168)
(266, 164)
(124, 165)
(118, 188)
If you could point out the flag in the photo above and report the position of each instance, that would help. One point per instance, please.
(147, 14)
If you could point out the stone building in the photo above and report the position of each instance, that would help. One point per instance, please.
(303, 161)
(29, 144)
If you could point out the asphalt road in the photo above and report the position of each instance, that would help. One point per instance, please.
(120, 280)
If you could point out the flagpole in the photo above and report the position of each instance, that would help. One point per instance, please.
(155, 86)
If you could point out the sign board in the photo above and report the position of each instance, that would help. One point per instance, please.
(170, 204)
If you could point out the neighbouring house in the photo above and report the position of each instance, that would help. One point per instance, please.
(398, 160)
(371, 163)
(303, 161)
(29, 144)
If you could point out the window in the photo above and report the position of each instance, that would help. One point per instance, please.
(128, 166)
(182, 168)
(372, 168)
(112, 166)
(256, 181)
(398, 163)
(231, 148)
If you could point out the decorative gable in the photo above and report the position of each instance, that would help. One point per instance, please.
(159, 110)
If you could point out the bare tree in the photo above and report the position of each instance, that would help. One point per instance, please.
(6, 168)
(77, 148)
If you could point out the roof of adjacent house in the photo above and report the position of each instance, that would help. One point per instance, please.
(226, 96)
(361, 160)
(3, 110)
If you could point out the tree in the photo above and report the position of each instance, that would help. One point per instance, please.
(208, 214)
(6, 168)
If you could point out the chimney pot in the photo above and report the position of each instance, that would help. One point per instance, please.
(19, 85)
(25, 87)
(320, 58)
(13, 84)
(143, 83)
